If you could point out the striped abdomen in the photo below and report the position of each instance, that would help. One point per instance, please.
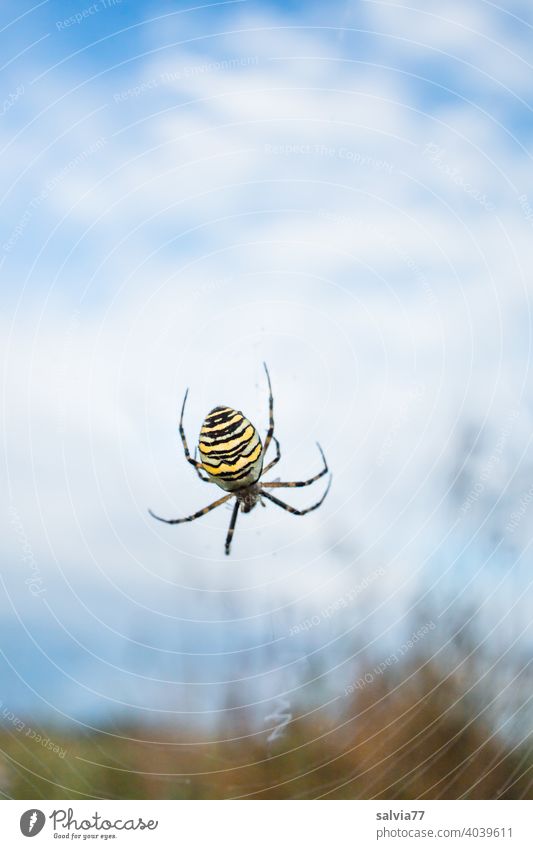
(230, 449)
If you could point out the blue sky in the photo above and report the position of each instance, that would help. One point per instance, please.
(342, 190)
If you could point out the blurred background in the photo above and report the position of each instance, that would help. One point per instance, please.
(344, 191)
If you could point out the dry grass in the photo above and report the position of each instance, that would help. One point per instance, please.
(415, 735)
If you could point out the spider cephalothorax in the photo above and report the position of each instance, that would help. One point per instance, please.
(232, 456)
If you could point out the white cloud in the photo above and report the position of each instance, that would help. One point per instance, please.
(388, 302)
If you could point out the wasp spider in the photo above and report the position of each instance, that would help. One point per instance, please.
(232, 457)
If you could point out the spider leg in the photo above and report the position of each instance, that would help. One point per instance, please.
(232, 526)
(270, 431)
(299, 483)
(275, 460)
(188, 457)
(198, 472)
(293, 509)
(194, 515)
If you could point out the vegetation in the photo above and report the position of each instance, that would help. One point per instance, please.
(415, 732)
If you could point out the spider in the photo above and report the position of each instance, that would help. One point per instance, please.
(232, 457)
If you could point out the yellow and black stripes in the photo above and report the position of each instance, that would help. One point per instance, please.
(232, 456)
(230, 448)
